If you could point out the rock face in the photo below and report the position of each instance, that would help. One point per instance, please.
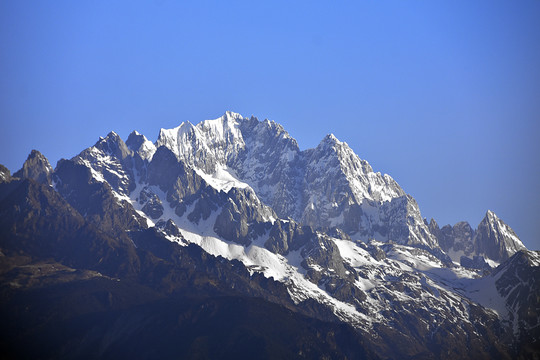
(477, 262)
(36, 167)
(5, 174)
(152, 205)
(139, 144)
(513, 288)
(232, 207)
(94, 199)
(456, 240)
(493, 239)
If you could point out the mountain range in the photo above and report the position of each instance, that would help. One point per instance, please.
(225, 240)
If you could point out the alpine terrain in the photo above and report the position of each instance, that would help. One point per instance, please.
(225, 240)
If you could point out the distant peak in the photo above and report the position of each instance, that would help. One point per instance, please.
(140, 144)
(491, 215)
(35, 154)
(331, 137)
(187, 123)
(329, 140)
(135, 135)
(36, 167)
(185, 126)
(112, 134)
(232, 115)
(112, 144)
(135, 140)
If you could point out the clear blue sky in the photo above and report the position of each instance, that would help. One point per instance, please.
(442, 95)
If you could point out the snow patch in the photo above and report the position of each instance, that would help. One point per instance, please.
(223, 179)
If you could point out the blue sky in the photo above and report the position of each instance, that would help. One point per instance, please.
(442, 95)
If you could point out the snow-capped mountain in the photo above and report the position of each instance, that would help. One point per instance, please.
(347, 243)
(329, 186)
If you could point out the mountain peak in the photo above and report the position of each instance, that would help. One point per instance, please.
(231, 115)
(208, 144)
(496, 239)
(491, 216)
(331, 139)
(135, 139)
(36, 154)
(172, 134)
(330, 142)
(226, 123)
(36, 167)
(111, 137)
(433, 224)
(112, 144)
(138, 143)
(492, 220)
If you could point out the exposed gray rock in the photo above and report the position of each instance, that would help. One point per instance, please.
(208, 201)
(5, 174)
(113, 146)
(36, 167)
(477, 262)
(95, 200)
(455, 239)
(495, 239)
(322, 251)
(243, 218)
(141, 146)
(377, 253)
(173, 177)
(152, 205)
(518, 283)
(288, 236)
(111, 161)
(326, 268)
(272, 163)
(169, 228)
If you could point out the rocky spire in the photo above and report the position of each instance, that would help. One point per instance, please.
(36, 167)
(495, 239)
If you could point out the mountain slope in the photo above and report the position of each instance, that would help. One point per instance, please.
(53, 296)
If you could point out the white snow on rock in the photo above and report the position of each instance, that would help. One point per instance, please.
(255, 257)
(147, 148)
(223, 179)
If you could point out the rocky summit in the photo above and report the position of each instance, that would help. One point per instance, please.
(225, 240)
